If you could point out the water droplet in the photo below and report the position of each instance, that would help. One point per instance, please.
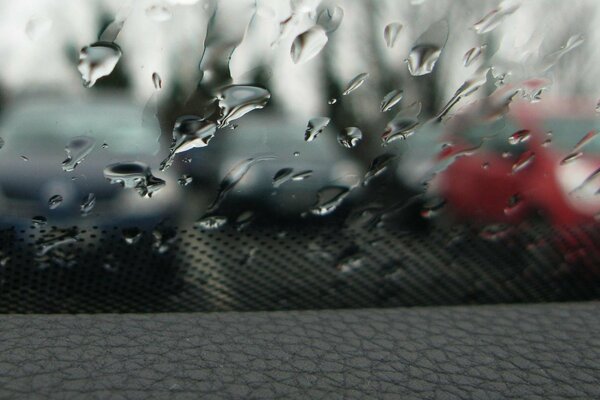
(315, 127)
(553, 58)
(403, 124)
(300, 176)
(237, 100)
(24, 158)
(189, 132)
(105, 145)
(328, 199)
(524, 160)
(77, 149)
(570, 158)
(131, 235)
(514, 203)
(308, 44)
(391, 99)
(156, 81)
(186, 160)
(97, 60)
(350, 137)
(495, 232)
(87, 204)
(427, 49)
(185, 180)
(472, 55)
(350, 263)
(37, 27)
(598, 107)
(296, 154)
(519, 137)
(355, 83)
(390, 33)
(330, 20)
(244, 219)
(163, 240)
(378, 166)
(492, 19)
(55, 243)
(158, 12)
(55, 201)
(468, 87)
(234, 176)
(38, 221)
(485, 165)
(134, 175)
(332, 101)
(211, 222)
(282, 176)
(587, 138)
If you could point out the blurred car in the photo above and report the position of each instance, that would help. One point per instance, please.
(38, 178)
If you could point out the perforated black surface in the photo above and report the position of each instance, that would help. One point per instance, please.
(299, 266)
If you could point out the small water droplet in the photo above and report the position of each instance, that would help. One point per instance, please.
(495, 232)
(156, 81)
(315, 127)
(105, 145)
(485, 165)
(236, 101)
(514, 203)
(55, 201)
(332, 101)
(300, 176)
(244, 219)
(185, 180)
(520, 136)
(350, 137)
(390, 33)
(77, 149)
(134, 175)
(296, 154)
(473, 54)
(131, 235)
(427, 49)
(403, 124)
(163, 240)
(524, 160)
(331, 19)
(570, 158)
(328, 199)
(308, 44)
(24, 158)
(233, 127)
(282, 176)
(378, 166)
(598, 107)
(211, 222)
(186, 160)
(355, 83)
(87, 204)
(492, 19)
(159, 12)
(39, 221)
(390, 100)
(97, 60)
(38, 27)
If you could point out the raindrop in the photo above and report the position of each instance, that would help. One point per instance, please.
(38, 221)
(485, 165)
(378, 166)
(427, 49)
(570, 158)
(38, 27)
(105, 145)
(185, 180)
(244, 219)
(519, 137)
(234, 176)
(492, 19)
(551, 59)
(330, 20)
(350, 263)
(163, 240)
(186, 160)
(131, 235)
(468, 87)
(282, 176)
(156, 81)
(587, 138)
(134, 175)
(315, 127)
(189, 132)
(524, 160)
(355, 83)
(390, 100)
(332, 101)
(308, 44)
(403, 124)
(97, 60)
(77, 149)
(55, 201)
(55, 243)
(586, 181)
(24, 158)
(472, 55)
(87, 204)
(390, 33)
(1, 143)
(158, 12)
(514, 203)
(349, 137)
(328, 199)
(237, 100)
(598, 107)
(296, 154)
(211, 222)
(300, 176)
(495, 232)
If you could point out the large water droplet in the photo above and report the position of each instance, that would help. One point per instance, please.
(237, 100)
(77, 149)
(349, 137)
(308, 44)
(355, 83)
(328, 199)
(403, 124)
(97, 60)
(378, 166)
(87, 204)
(134, 175)
(390, 33)
(427, 49)
(189, 132)
(282, 176)
(390, 100)
(55, 201)
(156, 81)
(331, 19)
(159, 12)
(472, 55)
(37, 27)
(315, 127)
(492, 19)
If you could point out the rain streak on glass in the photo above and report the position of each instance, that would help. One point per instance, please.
(235, 101)
(77, 149)
(158, 12)
(97, 60)
(492, 19)
(355, 83)
(308, 44)
(55, 201)
(427, 49)
(156, 81)
(315, 127)
(391, 99)
(349, 137)
(87, 204)
(330, 20)
(37, 27)
(134, 175)
(390, 33)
